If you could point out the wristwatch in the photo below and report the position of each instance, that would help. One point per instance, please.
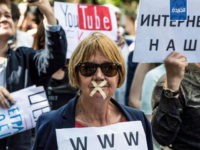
(169, 93)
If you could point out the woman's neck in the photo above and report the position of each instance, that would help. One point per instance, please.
(96, 114)
(3, 48)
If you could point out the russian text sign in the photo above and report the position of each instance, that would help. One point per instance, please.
(30, 104)
(120, 136)
(79, 20)
(157, 35)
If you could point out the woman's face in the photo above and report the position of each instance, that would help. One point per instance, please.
(6, 22)
(86, 86)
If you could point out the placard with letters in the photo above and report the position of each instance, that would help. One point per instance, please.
(119, 136)
(170, 25)
(79, 20)
(30, 103)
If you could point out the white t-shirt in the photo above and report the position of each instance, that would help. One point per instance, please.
(24, 39)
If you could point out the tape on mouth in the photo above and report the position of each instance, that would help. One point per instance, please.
(98, 87)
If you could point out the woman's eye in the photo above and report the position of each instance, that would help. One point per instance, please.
(8, 16)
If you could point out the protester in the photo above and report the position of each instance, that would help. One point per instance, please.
(39, 38)
(24, 66)
(176, 119)
(20, 38)
(118, 14)
(131, 68)
(129, 35)
(150, 80)
(96, 69)
(58, 89)
(136, 85)
(148, 85)
(30, 20)
(123, 47)
(130, 28)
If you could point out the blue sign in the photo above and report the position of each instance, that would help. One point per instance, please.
(178, 9)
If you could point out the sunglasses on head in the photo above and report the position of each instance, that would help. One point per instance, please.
(88, 69)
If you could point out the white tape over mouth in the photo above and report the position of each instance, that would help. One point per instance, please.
(98, 88)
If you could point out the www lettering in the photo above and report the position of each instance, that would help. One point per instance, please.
(106, 141)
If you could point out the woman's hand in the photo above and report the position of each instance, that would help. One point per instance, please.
(175, 65)
(46, 9)
(5, 98)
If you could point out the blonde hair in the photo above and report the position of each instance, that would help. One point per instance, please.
(89, 47)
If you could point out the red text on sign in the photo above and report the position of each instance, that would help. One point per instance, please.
(94, 17)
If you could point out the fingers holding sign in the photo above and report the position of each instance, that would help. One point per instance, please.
(175, 65)
(5, 98)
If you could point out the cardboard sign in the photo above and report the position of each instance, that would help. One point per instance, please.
(157, 36)
(120, 136)
(80, 20)
(30, 104)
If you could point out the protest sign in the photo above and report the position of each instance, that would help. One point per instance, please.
(79, 20)
(119, 136)
(30, 104)
(157, 35)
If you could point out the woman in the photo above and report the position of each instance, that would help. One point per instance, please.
(23, 67)
(96, 69)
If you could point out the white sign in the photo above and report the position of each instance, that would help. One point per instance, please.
(79, 20)
(157, 36)
(120, 136)
(30, 104)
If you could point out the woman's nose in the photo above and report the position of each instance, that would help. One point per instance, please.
(3, 18)
(99, 73)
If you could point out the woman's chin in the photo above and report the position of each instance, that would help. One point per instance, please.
(98, 95)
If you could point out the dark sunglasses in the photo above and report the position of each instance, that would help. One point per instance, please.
(88, 69)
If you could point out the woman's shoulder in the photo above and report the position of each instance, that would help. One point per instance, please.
(133, 112)
(55, 116)
(130, 112)
(50, 117)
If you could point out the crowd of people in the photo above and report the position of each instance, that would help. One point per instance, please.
(99, 85)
